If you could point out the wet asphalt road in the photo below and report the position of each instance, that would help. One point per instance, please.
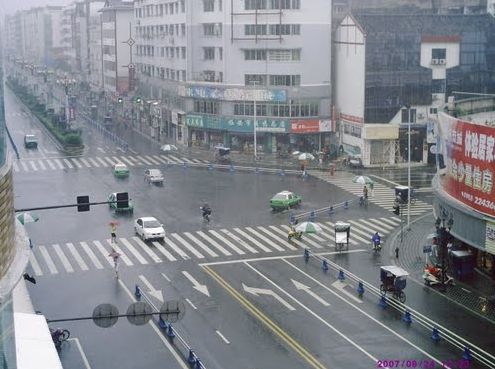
(229, 326)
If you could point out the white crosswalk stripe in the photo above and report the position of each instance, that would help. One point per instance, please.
(24, 166)
(149, 158)
(174, 159)
(76, 162)
(42, 165)
(158, 158)
(85, 162)
(124, 159)
(77, 256)
(93, 162)
(102, 162)
(16, 167)
(68, 163)
(33, 165)
(166, 158)
(91, 255)
(143, 160)
(200, 245)
(112, 163)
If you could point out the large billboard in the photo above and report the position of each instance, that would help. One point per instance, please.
(469, 156)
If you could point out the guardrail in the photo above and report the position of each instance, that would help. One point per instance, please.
(107, 134)
(172, 333)
(438, 332)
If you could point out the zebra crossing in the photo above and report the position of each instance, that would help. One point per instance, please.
(50, 164)
(381, 195)
(83, 256)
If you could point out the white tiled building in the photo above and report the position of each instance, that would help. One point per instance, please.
(212, 52)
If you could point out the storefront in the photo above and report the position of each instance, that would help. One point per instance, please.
(465, 190)
(312, 135)
(419, 146)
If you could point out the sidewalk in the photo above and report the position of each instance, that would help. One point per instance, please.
(412, 259)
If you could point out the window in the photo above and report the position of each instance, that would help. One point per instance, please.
(255, 79)
(220, 53)
(438, 86)
(255, 4)
(208, 5)
(209, 53)
(285, 80)
(209, 29)
(255, 54)
(433, 110)
(285, 4)
(183, 6)
(438, 53)
(183, 75)
(408, 115)
(206, 106)
(183, 52)
(183, 29)
(255, 29)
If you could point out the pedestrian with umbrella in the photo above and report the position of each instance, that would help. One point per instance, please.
(115, 256)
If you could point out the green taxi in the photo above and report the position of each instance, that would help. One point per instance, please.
(285, 200)
(120, 170)
(113, 205)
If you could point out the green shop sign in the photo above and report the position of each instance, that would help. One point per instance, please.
(233, 124)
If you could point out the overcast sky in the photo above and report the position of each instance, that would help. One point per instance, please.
(10, 6)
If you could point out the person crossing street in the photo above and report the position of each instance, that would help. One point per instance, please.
(115, 257)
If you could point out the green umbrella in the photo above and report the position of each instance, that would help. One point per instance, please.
(362, 180)
(308, 227)
(28, 217)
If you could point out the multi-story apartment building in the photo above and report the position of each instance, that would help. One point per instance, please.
(117, 19)
(211, 62)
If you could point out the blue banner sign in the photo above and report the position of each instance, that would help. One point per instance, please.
(235, 124)
(232, 94)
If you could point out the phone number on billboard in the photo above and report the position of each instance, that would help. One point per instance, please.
(484, 202)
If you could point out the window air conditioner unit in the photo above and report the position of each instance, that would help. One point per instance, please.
(434, 61)
(442, 61)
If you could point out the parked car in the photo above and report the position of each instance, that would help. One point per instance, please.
(30, 141)
(168, 149)
(284, 200)
(153, 176)
(149, 228)
(113, 205)
(120, 170)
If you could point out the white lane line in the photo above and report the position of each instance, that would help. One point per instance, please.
(163, 250)
(42, 165)
(144, 160)
(65, 262)
(100, 149)
(201, 244)
(81, 351)
(48, 260)
(103, 252)
(180, 360)
(277, 236)
(109, 160)
(253, 240)
(264, 238)
(85, 162)
(34, 264)
(75, 161)
(189, 247)
(166, 278)
(239, 241)
(346, 300)
(24, 166)
(16, 167)
(102, 162)
(174, 247)
(130, 163)
(33, 165)
(148, 157)
(91, 255)
(294, 241)
(227, 242)
(223, 337)
(77, 256)
(133, 251)
(190, 303)
(147, 249)
(213, 243)
(93, 162)
(68, 163)
(123, 256)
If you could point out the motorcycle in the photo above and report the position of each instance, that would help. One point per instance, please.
(433, 275)
(294, 234)
(59, 335)
(206, 213)
(377, 246)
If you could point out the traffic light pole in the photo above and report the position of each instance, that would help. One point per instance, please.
(70, 205)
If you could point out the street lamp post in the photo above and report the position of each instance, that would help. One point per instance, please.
(66, 83)
(443, 225)
(255, 122)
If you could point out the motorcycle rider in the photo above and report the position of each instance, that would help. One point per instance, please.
(206, 211)
(376, 239)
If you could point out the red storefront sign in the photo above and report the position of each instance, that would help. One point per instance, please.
(305, 126)
(469, 153)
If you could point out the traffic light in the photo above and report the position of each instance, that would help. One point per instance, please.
(138, 100)
(82, 203)
(122, 200)
(120, 100)
(397, 209)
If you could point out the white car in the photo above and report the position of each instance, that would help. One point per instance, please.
(167, 149)
(149, 228)
(153, 176)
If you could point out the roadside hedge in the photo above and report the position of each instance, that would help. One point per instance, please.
(68, 138)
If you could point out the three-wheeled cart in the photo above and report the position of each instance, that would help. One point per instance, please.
(222, 155)
(342, 233)
(394, 280)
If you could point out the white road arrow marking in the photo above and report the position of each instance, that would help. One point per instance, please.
(301, 286)
(340, 286)
(152, 291)
(261, 291)
(196, 285)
